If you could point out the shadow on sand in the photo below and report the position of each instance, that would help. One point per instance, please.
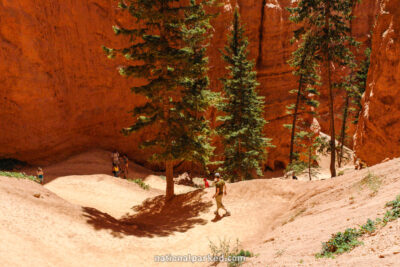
(154, 217)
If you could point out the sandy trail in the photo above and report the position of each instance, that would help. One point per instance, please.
(98, 220)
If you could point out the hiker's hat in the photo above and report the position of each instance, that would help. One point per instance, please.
(217, 174)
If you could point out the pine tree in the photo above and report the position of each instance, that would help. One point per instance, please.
(157, 52)
(328, 22)
(242, 126)
(304, 63)
(197, 96)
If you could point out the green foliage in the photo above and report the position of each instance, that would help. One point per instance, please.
(394, 213)
(196, 95)
(303, 140)
(225, 250)
(140, 183)
(346, 241)
(340, 243)
(372, 181)
(368, 228)
(167, 48)
(326, 24)
(19, 175)
(297, 166)
(242, 125)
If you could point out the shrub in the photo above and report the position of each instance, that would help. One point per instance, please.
(340, 242)
(343, 242)
(372, 181)
(19, 175)
(225, 250)
(140, 183)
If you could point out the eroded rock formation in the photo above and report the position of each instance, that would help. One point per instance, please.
(378, 133)
(60, 95)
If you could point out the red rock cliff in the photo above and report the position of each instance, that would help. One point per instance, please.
(60, 95)
(378, 133)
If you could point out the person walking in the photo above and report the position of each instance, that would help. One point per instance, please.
(115, 170)
(40, 174)
(115, 157)
(220, 190)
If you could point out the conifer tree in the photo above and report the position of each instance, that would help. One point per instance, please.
(197, 96)
(242, 125)
(304, 63)
(157, 52)
(328, 22)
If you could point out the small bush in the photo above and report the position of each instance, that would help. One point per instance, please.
(339, 243)
(372, 181)
(19, 175)
(140, 183)
(368, 228)
(343, 242)
(341, 173)
(225, 250)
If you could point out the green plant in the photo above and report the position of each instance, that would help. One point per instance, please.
(343, 242)
(242, 119)
(339, 243)
(224, 249)
(140, 183)
(372, 181)
(19, 175)
(340, 173)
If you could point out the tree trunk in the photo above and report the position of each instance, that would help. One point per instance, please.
(343, 131)
(169, 174)
(309, 162)
(331, 98)
(296, 108)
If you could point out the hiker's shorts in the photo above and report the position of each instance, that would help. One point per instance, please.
(218, 199)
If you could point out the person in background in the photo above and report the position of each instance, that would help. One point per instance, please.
(115, 170)
(115, 157)
(206, 185)
(39, 173)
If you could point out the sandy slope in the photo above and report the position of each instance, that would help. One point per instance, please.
(98, 220)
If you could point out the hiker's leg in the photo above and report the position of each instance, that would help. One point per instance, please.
(218, 200)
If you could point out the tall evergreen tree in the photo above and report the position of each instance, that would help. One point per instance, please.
(242, 126)
(304, 63)
(157, 52)
(197, 96)
(328, 21)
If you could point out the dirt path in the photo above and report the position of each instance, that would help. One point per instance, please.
(98, 220)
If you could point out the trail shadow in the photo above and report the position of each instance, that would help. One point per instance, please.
(154, 216)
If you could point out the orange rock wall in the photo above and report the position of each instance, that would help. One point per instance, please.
(378, 133)
(60, 95)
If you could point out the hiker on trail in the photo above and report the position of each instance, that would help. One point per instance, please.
(125, 165)
(290, 174)
(39, 173)
(220, 190)
(115, 157)
(206, 185)
(115, 170)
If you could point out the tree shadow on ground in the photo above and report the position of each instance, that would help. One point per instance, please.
(154, 217)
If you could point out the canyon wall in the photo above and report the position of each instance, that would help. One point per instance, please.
(60, 95)
(378, 133)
